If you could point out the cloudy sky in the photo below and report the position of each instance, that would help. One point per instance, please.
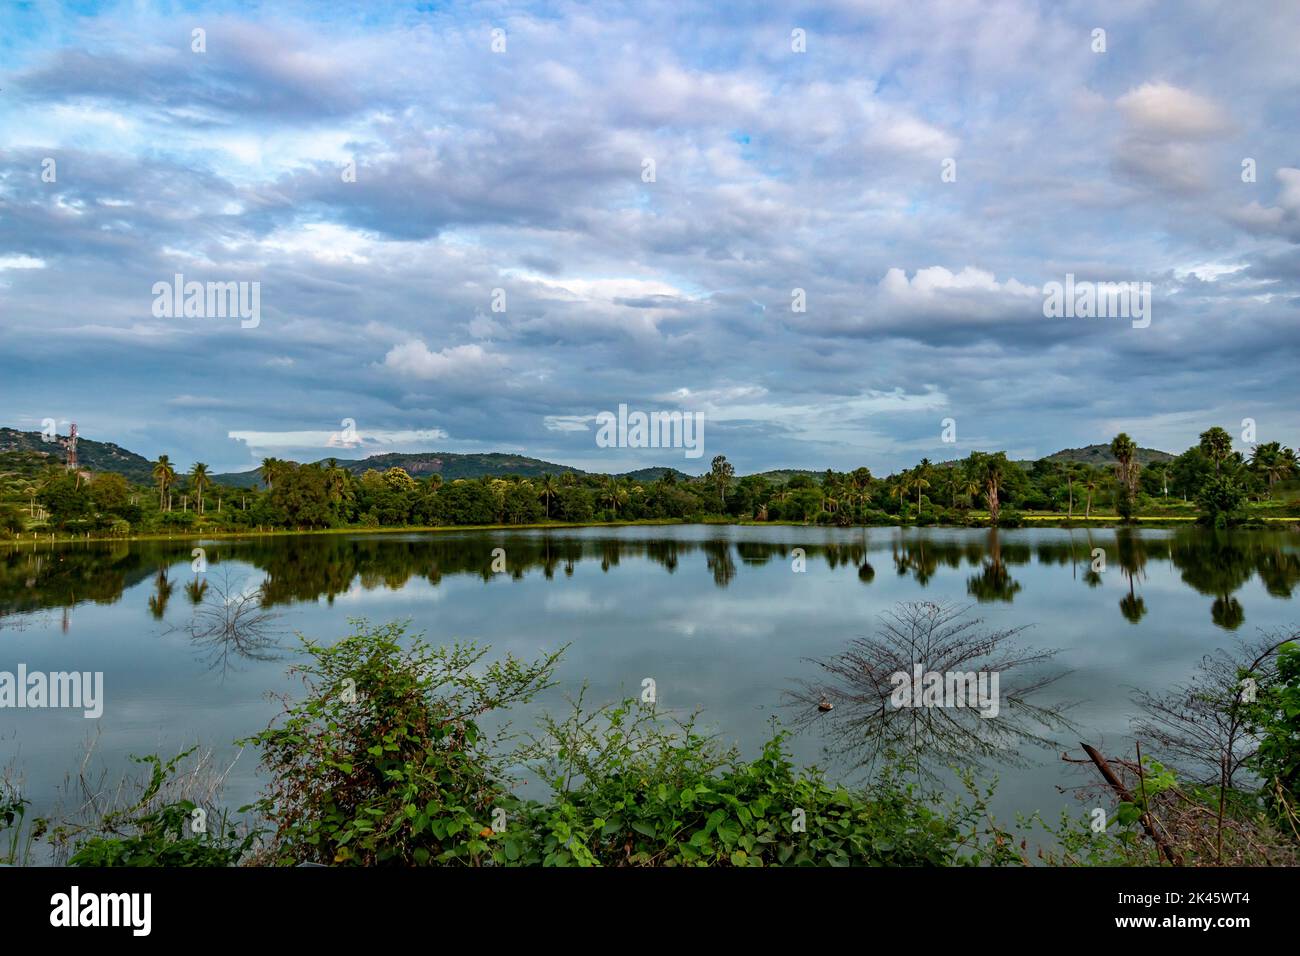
(226, 156)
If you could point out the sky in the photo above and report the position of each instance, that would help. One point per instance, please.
(475, 227)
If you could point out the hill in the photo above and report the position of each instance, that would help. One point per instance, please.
(91, 455)
(422, 464)
(1098, 455)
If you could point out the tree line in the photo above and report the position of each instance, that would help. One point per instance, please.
(1209, 479)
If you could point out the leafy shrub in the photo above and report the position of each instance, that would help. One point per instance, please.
(1221, 501)
(384, 762)
(1276, 718)
(628, 792)
(1009, 518)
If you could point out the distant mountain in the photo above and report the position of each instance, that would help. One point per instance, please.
(654, 474)
(451, 466)
(779, 476)
(91, 455)
(422, 464)
(1100, 455)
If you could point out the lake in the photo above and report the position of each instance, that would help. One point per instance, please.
(725, 619)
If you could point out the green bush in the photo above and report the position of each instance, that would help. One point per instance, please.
(628, 792)
(385, 762)
(1276, 718)
(1010, 518)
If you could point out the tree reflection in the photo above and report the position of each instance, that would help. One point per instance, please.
(853, 703)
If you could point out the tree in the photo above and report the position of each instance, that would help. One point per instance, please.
(548, 487)
(1126, 469)
(1090, 485)
(989, 470)
(1216, 445)
(1273, 462)
(200, 481)
(920, 480)
(164, 474)
(110, 492)
(272, 469)
(1221, 500)
(720, 476)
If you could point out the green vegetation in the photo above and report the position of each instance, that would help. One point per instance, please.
(386, 760)
(1209, 482)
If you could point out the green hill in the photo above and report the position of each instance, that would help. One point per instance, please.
(91, 455)
(423, 464)
(1100, 455)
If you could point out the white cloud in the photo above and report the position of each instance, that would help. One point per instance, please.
(1160, 109)
(415, 359)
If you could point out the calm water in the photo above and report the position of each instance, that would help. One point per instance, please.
(716, 615)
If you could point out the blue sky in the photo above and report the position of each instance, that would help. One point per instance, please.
(522, 171)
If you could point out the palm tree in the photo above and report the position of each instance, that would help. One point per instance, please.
(200, 481)
(613, 494)
(1217, 445)
(550, 486)
(1124, 449)
(1273, 461)
(164, 474)
(919, 482)
(1090, 485)
(271, 469)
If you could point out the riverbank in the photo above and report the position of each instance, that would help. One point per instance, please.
(977, 520)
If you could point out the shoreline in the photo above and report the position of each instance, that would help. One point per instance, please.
(1034, 520)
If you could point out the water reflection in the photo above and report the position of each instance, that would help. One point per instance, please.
(978, 710)
(1217, 564)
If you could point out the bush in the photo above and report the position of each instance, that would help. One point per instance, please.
(11, 520)
(1221, 501)
(1276, 718)
(1009, 518)
(385, 762)
(634, 794)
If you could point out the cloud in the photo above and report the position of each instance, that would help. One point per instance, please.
(1163, 111)
(415, 359)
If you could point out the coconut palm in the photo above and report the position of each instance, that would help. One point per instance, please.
(200, 481)
(271, 470)
(549, 486)
(1273, 461)
(613, 494)
(164, 474)
(919, 482)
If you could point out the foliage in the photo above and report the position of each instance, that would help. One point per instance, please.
(632, 788)
(1276, 718)
(142, 835)
(386, 761)
(1221, 500)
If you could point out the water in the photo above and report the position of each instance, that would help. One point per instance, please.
(716, 615)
